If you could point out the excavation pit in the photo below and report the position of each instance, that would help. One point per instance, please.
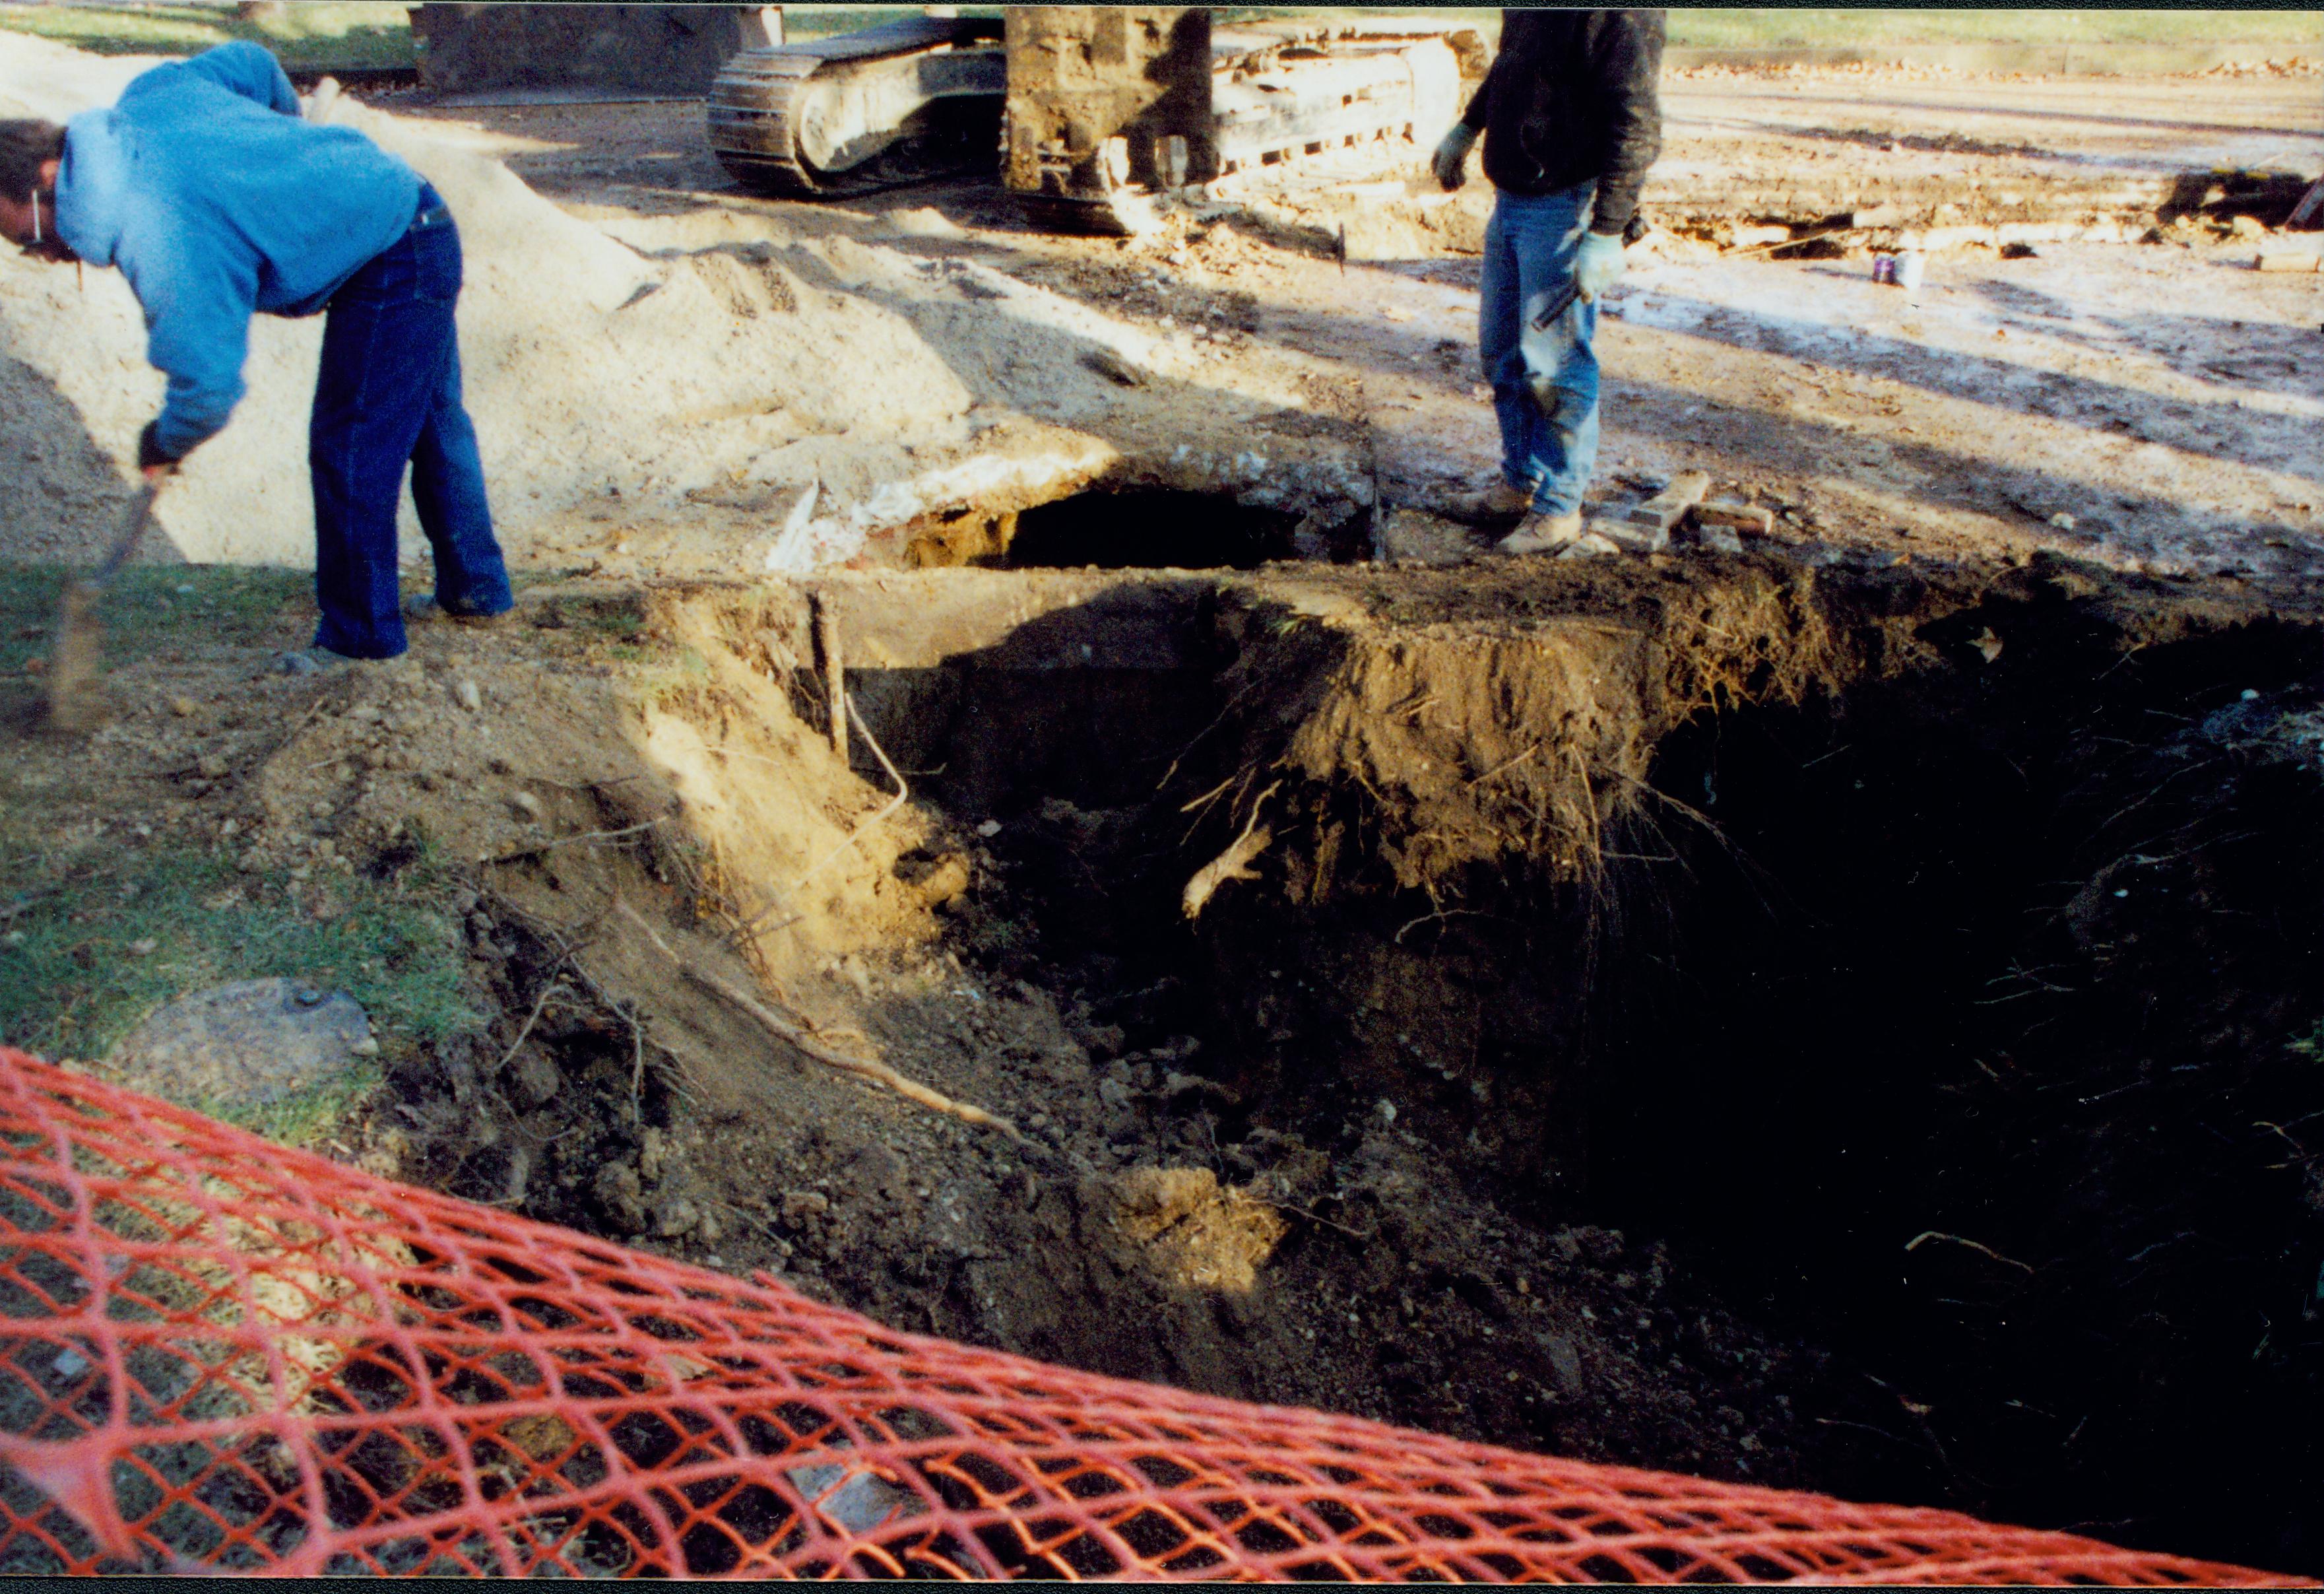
(1835, 1027)
(1851, 993)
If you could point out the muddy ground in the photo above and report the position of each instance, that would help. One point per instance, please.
(1843, 1017)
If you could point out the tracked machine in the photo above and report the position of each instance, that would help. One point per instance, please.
(1095, 110)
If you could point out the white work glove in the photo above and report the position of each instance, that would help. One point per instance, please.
(1452, 154)
(1596, 265)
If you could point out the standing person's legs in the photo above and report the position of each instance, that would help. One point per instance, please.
(384, 348)
(1557, 362)
(1500, 324)
(448, 473)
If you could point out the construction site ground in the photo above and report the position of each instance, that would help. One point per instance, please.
(1841, 1015)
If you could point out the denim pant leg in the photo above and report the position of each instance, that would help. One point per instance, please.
(383, 346)
(1500, 321)
(1544, 378)
(447, 486)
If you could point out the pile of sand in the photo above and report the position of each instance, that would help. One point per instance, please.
(595, 371)
(711, 392)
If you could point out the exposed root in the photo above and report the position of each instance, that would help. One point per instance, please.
(797, 1038)
(1233, 864)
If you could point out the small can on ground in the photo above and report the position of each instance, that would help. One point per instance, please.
(1910, 264)
(1884, 268)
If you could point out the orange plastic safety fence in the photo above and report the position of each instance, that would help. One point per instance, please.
(225, 1355)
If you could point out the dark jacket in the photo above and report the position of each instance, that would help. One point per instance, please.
(1570, 97)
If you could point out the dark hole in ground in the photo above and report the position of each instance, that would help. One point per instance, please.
(2014, 964)
(1152, 529)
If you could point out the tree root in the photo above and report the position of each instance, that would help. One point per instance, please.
(796, 1037)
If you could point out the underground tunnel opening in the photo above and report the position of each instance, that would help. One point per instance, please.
(1960, 1020)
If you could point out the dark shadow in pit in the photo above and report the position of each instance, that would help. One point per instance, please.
(1154, 529)
(1948, 1014)
(1958, 1044)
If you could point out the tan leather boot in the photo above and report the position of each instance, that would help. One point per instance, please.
(1541, 534)
(1500, 502)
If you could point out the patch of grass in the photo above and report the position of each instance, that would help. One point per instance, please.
(616, 623)
(73, 982)
(152, 607)
(308, 36)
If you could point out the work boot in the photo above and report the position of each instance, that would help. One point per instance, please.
(1500, 502)
(420, 606)
(1542, 533)
(314, 660)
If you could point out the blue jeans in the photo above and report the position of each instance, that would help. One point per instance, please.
(1544, 376)
(388, 394)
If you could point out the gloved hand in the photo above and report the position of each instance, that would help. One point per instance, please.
(1452, 154)
(151, 459)
(1596, 266)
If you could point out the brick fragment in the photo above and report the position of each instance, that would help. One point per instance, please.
(1667, 508)
(1755, 518)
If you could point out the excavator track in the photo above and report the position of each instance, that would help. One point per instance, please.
(852, 115)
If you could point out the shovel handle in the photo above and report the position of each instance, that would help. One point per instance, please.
(133, 531)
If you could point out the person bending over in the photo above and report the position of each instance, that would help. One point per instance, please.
(217, 202)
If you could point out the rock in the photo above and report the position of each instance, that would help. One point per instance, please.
(677, 1217)
(296, 663)
(526, 804)
(1100, 1040)
(801, 1207)
(1589, 545)
(244, 1045)
(1564, 1363)
(945, 881)
(1109, 364)
(617, 1188)
(2247, 227)
(1755, 518)
(468, 695)
(143, 947)
(534, 1079)
(989, 829)
(1720, 538)
(184, 707)
(1657, 516)
(2062, 521)
(858, 1501)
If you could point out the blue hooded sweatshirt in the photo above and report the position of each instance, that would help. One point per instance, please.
(216, 201)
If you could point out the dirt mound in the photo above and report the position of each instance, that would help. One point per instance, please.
(713, 392)
(597, 376)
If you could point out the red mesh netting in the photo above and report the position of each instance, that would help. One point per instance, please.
(224, 1354)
